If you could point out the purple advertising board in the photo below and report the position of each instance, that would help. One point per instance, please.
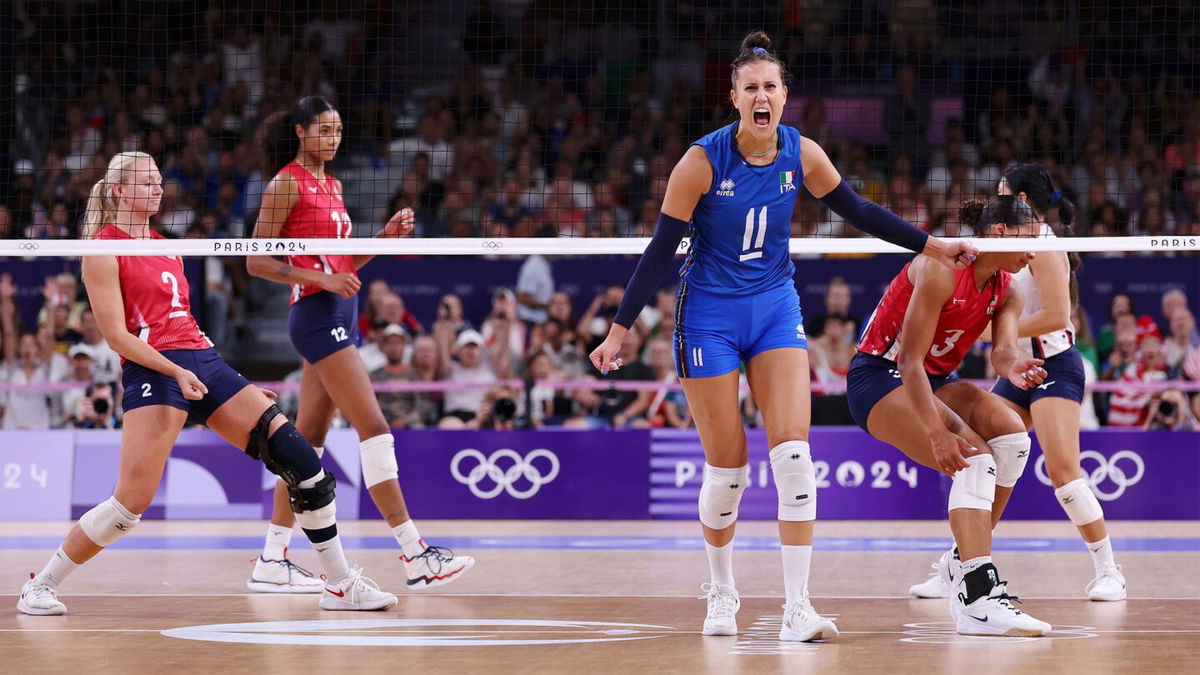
(1136, 475)
(582, 474)
(523, 474)
(35, 475)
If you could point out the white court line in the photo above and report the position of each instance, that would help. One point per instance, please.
(425, 594)
(673, 632)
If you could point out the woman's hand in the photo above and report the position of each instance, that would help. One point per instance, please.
(400, 224)
(343, 284)
(606, 357)
(191, 386)
(1026, 373)
(956, 255)
(950, 451)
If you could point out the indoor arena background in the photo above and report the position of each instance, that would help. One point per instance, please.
(563, 119)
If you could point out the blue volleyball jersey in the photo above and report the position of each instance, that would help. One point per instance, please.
(741, 226)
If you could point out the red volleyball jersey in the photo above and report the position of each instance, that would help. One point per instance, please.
(962, 320)
(320, 214)
(154, 291)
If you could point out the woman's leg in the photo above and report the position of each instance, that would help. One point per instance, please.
(344, 379)
(778, 379)
(1057, 423)
(714, 405)
(241, 421)
(970, 520)
(146, 442)
(313, 421)
(1003, 429)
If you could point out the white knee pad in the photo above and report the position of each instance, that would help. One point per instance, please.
(378, 459)
(720, 494)
(318, 518)
(107, 522)
(975, 486)
(1011, 452)
(1080, 503)
(795, 481)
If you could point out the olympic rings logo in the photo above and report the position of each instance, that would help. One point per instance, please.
(504, 480)
(1109, 469)
(28, 246)
(491, 245)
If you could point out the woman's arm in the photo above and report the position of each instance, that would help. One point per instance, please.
(933, 286)
(8, 323)
(825, 183)
(1051, 273)
(278, 199)
(1009, 362)
(690, 179)
(101, 277)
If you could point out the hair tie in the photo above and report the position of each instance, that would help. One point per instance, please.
(758, 51)
(1056, 196)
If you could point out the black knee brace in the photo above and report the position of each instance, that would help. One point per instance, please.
(285, 453)
(313, 498)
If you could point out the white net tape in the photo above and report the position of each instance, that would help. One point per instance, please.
(530, 246)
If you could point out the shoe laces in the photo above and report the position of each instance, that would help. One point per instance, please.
(723, 601)
(802, 609)
(435, 557)
(1107, 572)
(39, 590)
(1000, 595)
(293, 567)
(355, 580)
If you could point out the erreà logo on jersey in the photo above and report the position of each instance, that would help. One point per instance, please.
(785, 181)
(725, 188)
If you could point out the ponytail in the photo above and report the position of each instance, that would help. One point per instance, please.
(1037, 184)
(102, 200)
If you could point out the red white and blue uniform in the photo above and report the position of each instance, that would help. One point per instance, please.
(968, 311)
(1063, 362)
(154, 293)
(320, 322)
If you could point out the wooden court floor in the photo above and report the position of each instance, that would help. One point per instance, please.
(595, 597)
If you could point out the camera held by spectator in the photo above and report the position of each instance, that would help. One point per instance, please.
(1170, 412)
(98, 409)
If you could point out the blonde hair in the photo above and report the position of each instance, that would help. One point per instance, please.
(102, 201)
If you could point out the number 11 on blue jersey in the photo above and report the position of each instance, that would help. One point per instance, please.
(752, 246)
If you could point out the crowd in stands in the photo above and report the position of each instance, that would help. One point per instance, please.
(534, 337)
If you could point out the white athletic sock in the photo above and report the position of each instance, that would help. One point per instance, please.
(278, 539)
(57, 569)
(333, 559)
(796, 562)
(409, 539)
(720, 563)
(1102, 553)
(973, 564)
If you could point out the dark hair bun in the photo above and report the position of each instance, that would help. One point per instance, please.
(757, 38)
(970, 210)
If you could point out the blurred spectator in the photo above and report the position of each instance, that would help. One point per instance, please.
(107, 363)
(1120, 305)
(1170, 411)
(541, 396)
(82, 368)
(28, 359)
(425, 406)
(1130, 407)
(450, 316)
(470, 364)
(97, 408)
(593, 325)
(1182, 339)
(556, 340)
(906, 118)
(396, 406)
(501, 330)
(627, 408)
(535, 288)
(497, 411)
(837, 304)
(668, 406)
